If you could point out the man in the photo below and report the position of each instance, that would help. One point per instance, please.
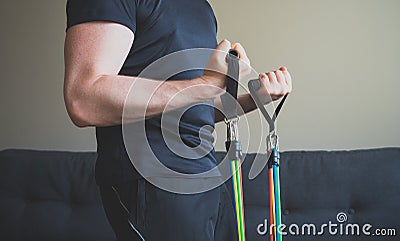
(108, 44)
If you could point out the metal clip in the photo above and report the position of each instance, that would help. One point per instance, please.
(272, 142)
(232, 129)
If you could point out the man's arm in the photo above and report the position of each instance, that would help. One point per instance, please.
(94, 93)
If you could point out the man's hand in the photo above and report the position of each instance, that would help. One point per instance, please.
(216, 68)
(276, 84)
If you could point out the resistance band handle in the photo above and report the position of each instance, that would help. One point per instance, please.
(229, 103)
(228, 99)
(254, 85)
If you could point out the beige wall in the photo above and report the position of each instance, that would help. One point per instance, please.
(343, 54)
(31, 102)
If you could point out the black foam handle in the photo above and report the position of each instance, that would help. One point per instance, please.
(233, 52)
(254, 84)
(228, 99)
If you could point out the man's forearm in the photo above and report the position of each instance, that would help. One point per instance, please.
(102, 102)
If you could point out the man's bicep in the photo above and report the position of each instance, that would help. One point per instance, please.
(95, 48)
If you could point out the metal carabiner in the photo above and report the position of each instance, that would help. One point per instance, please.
(232, 133)
(272, 142)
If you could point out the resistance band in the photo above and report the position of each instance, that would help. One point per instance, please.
(275, 216)
(232, 144)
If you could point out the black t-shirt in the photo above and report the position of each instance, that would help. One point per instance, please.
(161, 27)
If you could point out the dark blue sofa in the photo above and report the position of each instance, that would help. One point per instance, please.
(52, 196)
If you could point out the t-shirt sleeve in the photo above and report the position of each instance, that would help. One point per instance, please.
(118, 11)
